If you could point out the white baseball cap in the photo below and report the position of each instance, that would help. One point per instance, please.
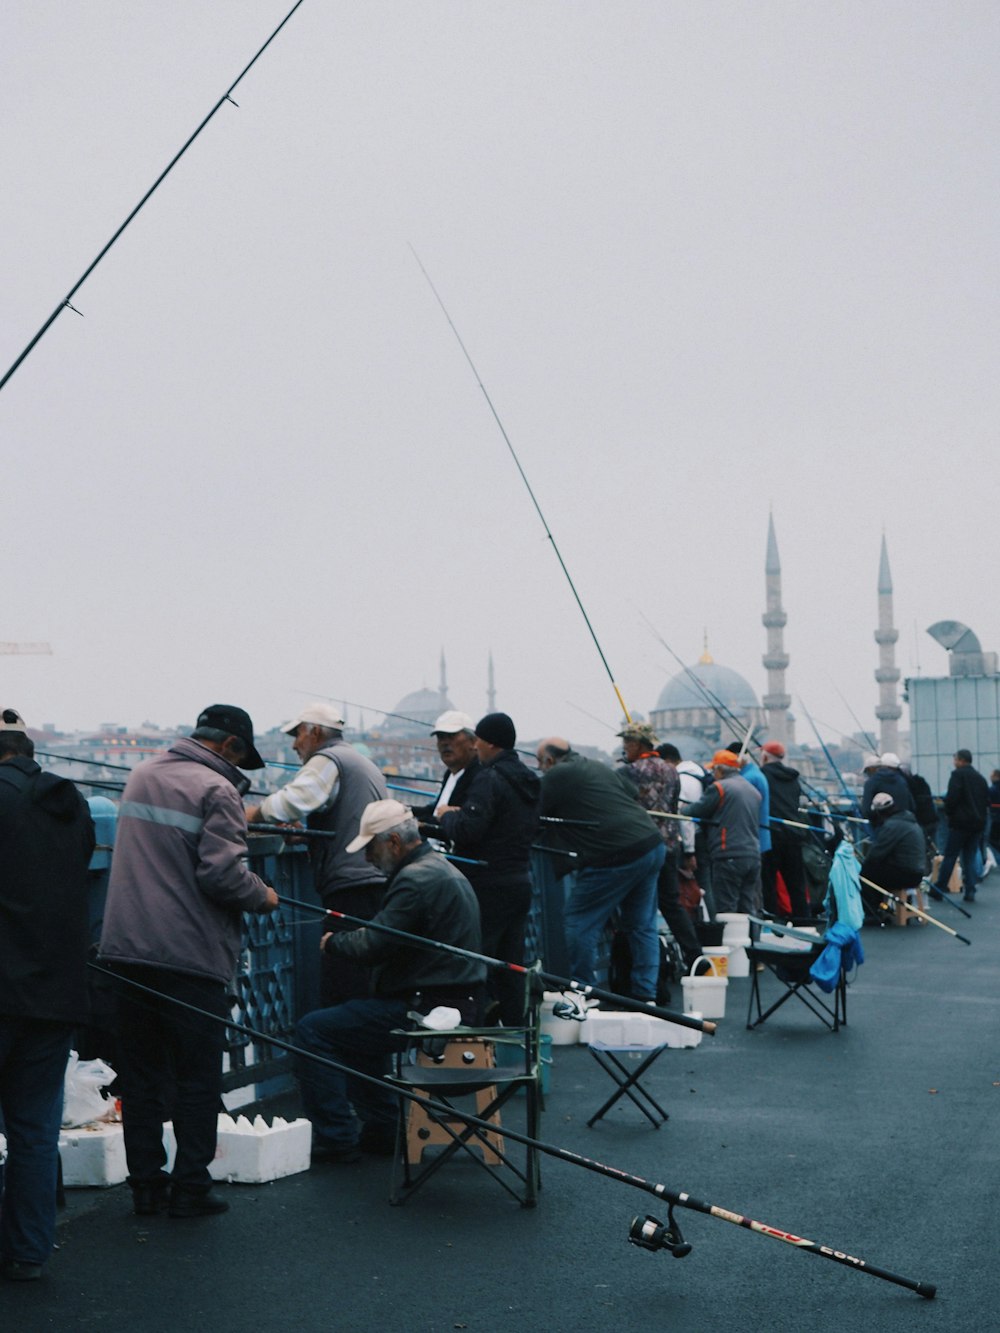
(317, 715)
(11, 720)
(889, 760)
(378, 817)
(452, 722)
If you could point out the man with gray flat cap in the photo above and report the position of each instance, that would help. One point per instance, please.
(329, 793)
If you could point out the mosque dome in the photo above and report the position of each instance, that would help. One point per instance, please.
(728, 686)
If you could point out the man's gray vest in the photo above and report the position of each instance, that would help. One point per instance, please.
(360, 783)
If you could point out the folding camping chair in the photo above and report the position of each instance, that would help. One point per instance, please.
(628, 1081)
(444, 1067)
(790, 966)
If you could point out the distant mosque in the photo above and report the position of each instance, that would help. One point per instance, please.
(689, 707)
(417, 712)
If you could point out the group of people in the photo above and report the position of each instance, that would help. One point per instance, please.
(180, 882)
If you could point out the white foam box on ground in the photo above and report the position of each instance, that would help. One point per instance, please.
(93, 1154)
(632, 1029)
(771, 939)
(254, 1154)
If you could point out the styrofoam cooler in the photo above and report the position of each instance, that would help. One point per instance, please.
(630, 1029)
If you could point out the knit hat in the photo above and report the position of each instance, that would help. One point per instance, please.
(497, 729)
(774, 747)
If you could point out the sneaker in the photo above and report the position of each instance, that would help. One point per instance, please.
(16, 1271)
(189, 1203)
(338, 1153)
(378, 1139)
(969, 898)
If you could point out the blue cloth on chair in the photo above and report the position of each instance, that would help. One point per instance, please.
(843, 949)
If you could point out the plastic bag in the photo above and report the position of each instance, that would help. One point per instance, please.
(83, 1096)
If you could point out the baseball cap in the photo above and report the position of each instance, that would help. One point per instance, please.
(452, 722)
(11, 720)
(378, 817)
(234, 722)
(317, 715)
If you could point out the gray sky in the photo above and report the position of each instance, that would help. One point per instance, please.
(708, 257)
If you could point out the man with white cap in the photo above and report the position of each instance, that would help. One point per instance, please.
(425, 895)
(455, 734)
(886, 776)
(329, 794)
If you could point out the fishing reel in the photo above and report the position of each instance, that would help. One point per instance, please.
(574, 1010)
(649, 1234)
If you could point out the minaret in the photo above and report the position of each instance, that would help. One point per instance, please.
(776, 701)
(889, 710)
(491, 694)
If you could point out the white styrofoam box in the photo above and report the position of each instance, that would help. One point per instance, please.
(771, 939)
(93, 1154)
(632, 1029)
(253, 1154)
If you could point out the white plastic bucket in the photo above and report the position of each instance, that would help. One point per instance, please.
(739, 963)
(736, 927)
(707, 994)
(719, 958)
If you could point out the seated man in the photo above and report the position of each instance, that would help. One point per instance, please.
(896, 859)
(426, 896)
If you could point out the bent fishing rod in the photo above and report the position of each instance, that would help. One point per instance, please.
(527, 484)
(287, 831)
(66, 302)
(555, 983)
(645, 1233)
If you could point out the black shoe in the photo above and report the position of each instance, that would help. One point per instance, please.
(934, 892)
(16, 1271)
(379, 1140)
(188, 1203)
(338, 1153)
(149, 1200)
(969, 898)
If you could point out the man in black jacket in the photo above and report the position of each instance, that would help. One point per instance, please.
(966, 806)
(455, 734)
(497, 823)
(785, 856)
(46, 840)
(426, 896)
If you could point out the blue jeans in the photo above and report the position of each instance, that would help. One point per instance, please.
(355, 1033)
(965, 845)
(631, 889)
(33, 1056)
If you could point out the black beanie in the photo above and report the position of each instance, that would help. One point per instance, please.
(497, 729)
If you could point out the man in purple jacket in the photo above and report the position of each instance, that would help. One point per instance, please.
(173, 924)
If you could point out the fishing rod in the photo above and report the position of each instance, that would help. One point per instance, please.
(722, 710)
(645, 1233)
(286, 832)
(829, 758)
(553, 982)
(935, 894)
(901, 902)
(527, 483)
(66, 302)
(869, 738)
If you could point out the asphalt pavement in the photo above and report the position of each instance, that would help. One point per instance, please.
(879, 1142)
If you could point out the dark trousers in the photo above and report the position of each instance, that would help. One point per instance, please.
(503, 910)
(33, 1055)
(784, 858)
(669, 901)
(962, 844)
(342, 978)
(171, 1069)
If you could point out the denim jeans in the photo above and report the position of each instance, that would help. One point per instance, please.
(355, 1033)
(962, 845)
(631, 889)
(33, 1055)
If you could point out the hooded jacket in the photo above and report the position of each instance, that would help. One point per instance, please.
(498, 820)
(786, 792)
(731, 811)
(46, 840)
(898, 842)
(178, 879)
(967, 799)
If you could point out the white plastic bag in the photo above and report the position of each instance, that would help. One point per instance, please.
(83, 1098)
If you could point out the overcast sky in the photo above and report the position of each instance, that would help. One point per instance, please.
(708, 258)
